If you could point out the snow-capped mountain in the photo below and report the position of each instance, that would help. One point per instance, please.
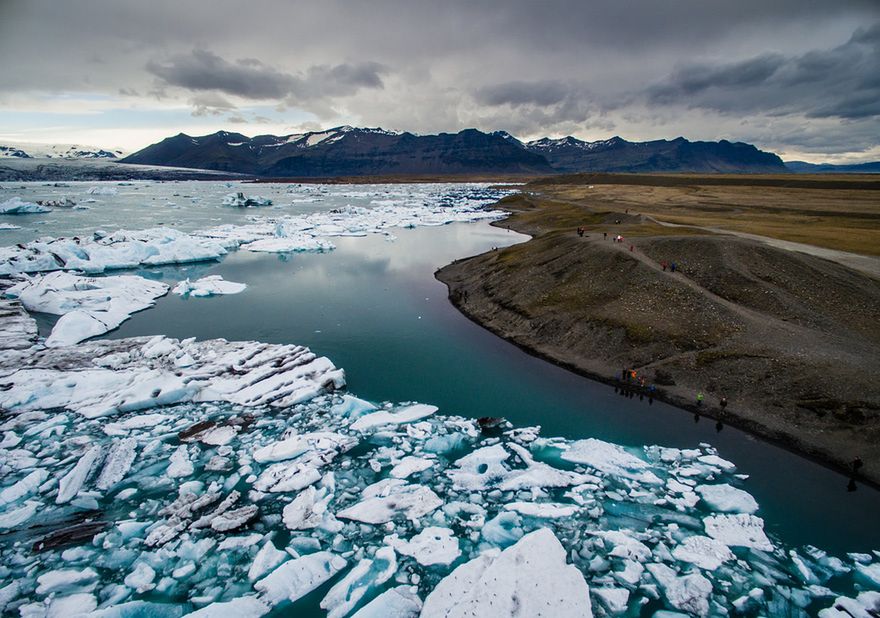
(350, 151)
(22, 150)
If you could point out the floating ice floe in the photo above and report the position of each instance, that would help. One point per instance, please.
(102, 190)
(122, 249)
(213, 285)
(240, 200)
(9, 226)
(17, 206)
(18, 330)
(88, 306)
(530, 578)
(147, 372)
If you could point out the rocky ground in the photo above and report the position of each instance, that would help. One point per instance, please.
(791, 340)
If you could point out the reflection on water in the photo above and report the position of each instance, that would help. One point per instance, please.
(374, 308)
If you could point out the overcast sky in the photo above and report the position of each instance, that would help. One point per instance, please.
(798, 77)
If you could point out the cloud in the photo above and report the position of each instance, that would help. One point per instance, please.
(204, 70)
(518, 93)
(248, 78)
(840, 82)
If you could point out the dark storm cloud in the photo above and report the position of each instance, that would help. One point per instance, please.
(839, 82)
(202, 70)
(518, 93)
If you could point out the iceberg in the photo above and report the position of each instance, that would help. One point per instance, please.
(214, 285)
(89, 306)
(17, 206)
(431, 546)
(298, 577)
(385, 500)
(144, 372)
(240, 200)
(529, 578)
(727, 499)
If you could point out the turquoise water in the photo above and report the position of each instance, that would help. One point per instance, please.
(375, 309)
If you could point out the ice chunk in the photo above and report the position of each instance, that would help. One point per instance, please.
(79, 604)
(504, 529)
(410, 465)
(614, 599)
(266, 559)
(17, 206)
(240, 200)
(401, 415)
(290, 244)
(307, 510)
(65, 579)
(117, 464)
(866, 605)
(704, 552)
(15, 517)
(542, 510)
(529, 578)
(352, 407)
(739, 530)
(242, 607)
(73, 481)
(24, 487)
(230, 520)
(88, 306)
(298, 577)
(110, 376)
(398, 602)
(180, 463)
(481, 469)
(208, 286)
(727, 499)
(141, 579)
(431, 546)
(384, 500)
(364, 576)
(299, 444)
(689, 593)
(610, 459)
(18, 330)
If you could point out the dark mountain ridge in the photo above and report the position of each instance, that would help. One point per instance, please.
(348, 151)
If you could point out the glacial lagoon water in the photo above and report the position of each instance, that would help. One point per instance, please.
(373, 307)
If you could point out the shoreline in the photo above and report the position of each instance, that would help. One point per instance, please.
(603, 371)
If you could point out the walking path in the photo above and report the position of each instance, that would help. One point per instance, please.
(867, 264)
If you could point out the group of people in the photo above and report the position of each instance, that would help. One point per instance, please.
(670, 265)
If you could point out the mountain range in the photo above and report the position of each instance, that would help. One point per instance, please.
(349, 151)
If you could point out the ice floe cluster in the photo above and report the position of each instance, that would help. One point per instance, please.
(152, 476)
(157, 246)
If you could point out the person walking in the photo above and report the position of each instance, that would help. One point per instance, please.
(672, 267)
(664, 264)
(700, 398)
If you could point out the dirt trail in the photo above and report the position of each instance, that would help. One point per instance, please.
(864, 263)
